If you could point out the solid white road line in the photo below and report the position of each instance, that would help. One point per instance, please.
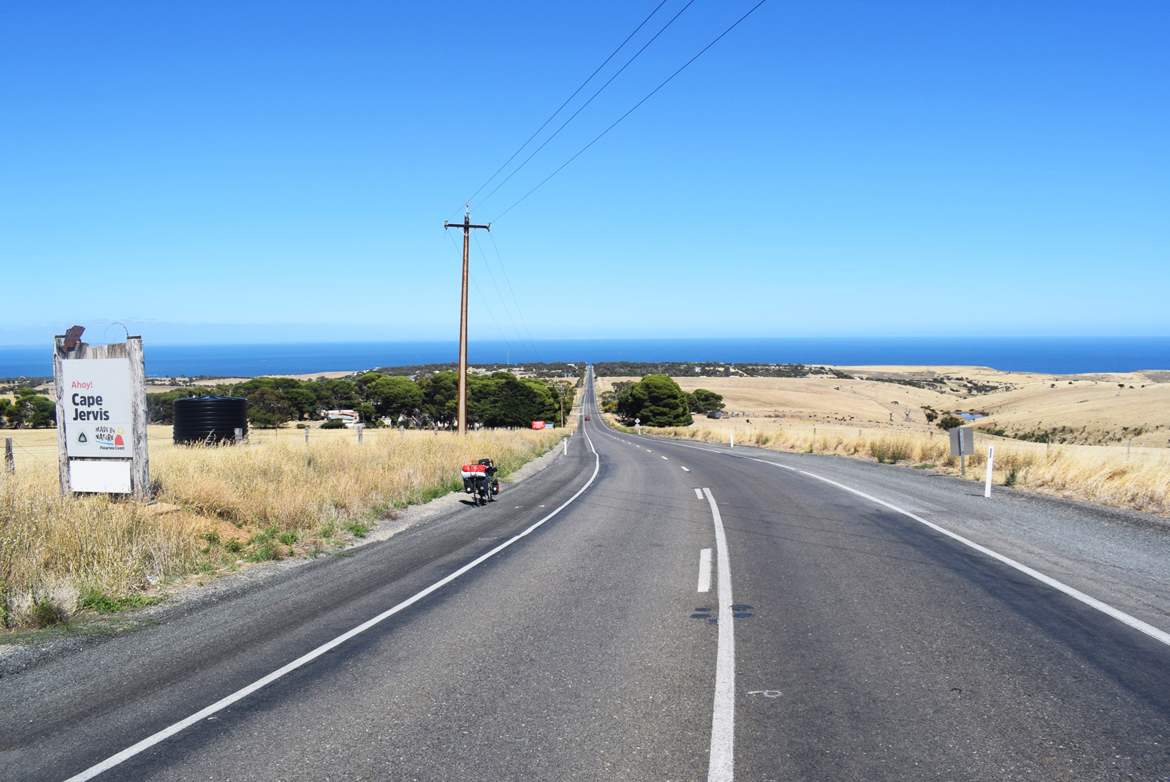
(1076, 594)
(721, 767)
(705, 570)
(222, 704)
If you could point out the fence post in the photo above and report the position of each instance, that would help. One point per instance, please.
(239, 435)
(306, 434)
(359, 428)
(9, 461)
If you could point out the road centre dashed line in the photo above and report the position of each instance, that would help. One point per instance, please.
(704, 570)
(1131, 621)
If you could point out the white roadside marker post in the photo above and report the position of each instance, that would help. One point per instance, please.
(732, 438)
(990, 461)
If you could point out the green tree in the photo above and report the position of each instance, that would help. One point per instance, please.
(42, 413)
(394, 396)
(268, 408)
(440, 397)
(516, 402)
(657, 401)
(14, 413)
(563, 393)
(950, 422)
(707, 401)
(303, 402)
(369, 415)
(370, 377)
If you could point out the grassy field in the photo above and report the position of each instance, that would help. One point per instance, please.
(1114, 427)
(1080, 409)
(217, 510)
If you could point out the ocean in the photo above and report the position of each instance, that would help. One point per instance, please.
(1052, 355)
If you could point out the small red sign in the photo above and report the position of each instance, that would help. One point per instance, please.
(538, 424)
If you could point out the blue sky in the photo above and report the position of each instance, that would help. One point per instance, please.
(240, 172)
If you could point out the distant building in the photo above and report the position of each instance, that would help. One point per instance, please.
(348, 417)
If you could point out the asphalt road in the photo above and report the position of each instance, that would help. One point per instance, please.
(863, 643)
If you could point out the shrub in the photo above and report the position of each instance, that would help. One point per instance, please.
(46, 613)
(950, 422)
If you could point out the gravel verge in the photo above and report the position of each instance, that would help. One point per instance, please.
(24, 652)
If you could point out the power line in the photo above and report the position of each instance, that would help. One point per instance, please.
(519, 311)
(586, 103)
(631, 111)
(507, 310)
(507, 344)
(562, 106)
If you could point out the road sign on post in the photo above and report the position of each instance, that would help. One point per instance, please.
(962, 445)
(101, 416)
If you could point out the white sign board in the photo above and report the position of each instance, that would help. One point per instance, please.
(97, 402)
(99, 477)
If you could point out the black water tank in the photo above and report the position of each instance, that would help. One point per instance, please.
(210, 419)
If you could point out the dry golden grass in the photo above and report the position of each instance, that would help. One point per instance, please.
(1096, 409)
(868, 418)
(1136, 479)
(218, 507)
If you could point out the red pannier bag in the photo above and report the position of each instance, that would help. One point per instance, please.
(473, 471)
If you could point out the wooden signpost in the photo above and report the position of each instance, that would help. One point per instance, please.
(101, 416)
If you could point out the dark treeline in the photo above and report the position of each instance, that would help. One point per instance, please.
(707, 369)
(496, 400)
(28, 409)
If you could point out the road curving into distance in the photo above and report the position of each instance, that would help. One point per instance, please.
(650, 609)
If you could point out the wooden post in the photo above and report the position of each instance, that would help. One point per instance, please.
(59, 353)
(306, 434)
(140, 468)
(360, 428)
(462, 403)
(9, 462)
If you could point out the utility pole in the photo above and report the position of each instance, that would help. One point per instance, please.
(466, 226)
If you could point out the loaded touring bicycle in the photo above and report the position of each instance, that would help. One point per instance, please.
(479, 480)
